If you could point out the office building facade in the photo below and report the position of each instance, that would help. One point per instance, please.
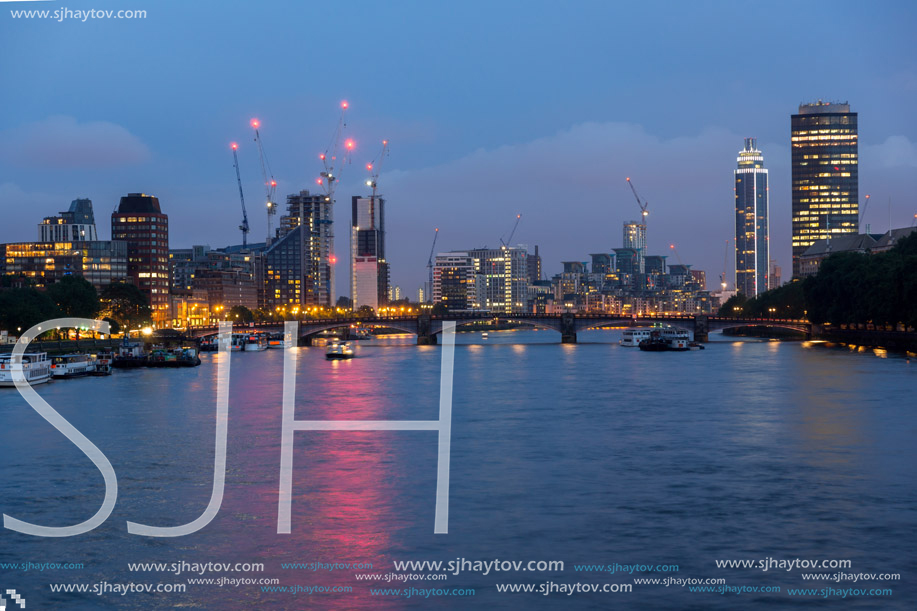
(752, 221)
(140, 222)
(825, 174)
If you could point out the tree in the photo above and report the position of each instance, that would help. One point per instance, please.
(241, 314)
(21, 309)
(126, 304)
(365, 311)
(729, 308)
(439, 309)
(75, 296)
(344, 303)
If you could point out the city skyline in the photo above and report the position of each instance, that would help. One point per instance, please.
(476, 138)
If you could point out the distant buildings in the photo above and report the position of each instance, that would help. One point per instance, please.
(369, 271)
(492, 279)
(752, 219)
(864, 243)
(299, 263)
(75, 225)
(140, 222)
(68, 245)
(825, 175)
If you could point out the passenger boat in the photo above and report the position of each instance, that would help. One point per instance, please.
(631, 338)
(210, 343)
(238, 342)
(255, 342)
(276, 340)
(71, 365)
(130, 355)
(339, 351)
(36, 368)
(659, 341)
(103, 363)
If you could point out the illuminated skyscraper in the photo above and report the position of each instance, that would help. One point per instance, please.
(825, 177)
(369, 273)
(751, 200)
(635, 239)
(139, 221)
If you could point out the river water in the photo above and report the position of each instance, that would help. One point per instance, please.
(590, 454)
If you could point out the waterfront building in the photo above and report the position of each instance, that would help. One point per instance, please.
(751, 221)
(825, 175)
(74, 225)
(501, 278)
(140, 222)
(222, 279)
(369, 271)
(534, 267)
(454, 281)
(100, 262)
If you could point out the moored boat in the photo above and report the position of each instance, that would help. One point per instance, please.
(130, 355)
(36, 368)
(276, 340)
(255, 342)
(71, 365)
(103, 364)
(660, 341)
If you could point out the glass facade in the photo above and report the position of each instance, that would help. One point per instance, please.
(751, 208)
(825, 176)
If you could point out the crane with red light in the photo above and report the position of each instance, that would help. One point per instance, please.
(269, 183)
(640, 202)
(244, 226)
(374, 167)
(429, 296)
(507, 243)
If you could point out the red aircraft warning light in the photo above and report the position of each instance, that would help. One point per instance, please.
(344, 104)
(234, 146)
(256, 123)
(349, 144)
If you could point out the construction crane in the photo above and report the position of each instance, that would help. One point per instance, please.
(677, 256)
(333, 167)
(507, 243)
(374, 167)
(269, 183)
(244, 226)
(862, 213)
(429, 295)
(642, 203)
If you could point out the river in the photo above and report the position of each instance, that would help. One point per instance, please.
(589, 454)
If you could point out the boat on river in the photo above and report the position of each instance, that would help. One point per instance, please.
(36, 368)
(72, 365)
(339, 351)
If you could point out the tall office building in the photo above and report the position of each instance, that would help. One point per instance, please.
(369, 272)
(825, 177)
(77, 224)
(752, 218)
(139, 221)
(299, 264)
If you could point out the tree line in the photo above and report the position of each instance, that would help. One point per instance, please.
(122, 304)
(849, 288)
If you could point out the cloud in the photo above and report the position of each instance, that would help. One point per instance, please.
(61, 142)
(896, 151)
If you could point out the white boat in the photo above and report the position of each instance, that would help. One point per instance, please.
(71, 365)
(631, 338)
(256, 342)
(238, 342)
(36, 368)
(339, 351)
(103, 364)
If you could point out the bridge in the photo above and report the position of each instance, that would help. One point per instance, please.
(427, 327)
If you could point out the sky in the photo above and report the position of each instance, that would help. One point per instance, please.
(491, 109)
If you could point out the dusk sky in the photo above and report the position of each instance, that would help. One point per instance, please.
(491, 109)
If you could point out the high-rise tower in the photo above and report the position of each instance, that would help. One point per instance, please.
(369, 275)
(825, 177)
(751, 201)
(139, 221)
